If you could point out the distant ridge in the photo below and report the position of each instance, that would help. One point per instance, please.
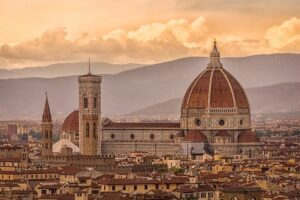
(138, 88)
(66, 69)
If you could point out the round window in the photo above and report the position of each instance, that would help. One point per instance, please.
(112, 136)
(152, 136)
(198, 122)
(132, 136)
(221, 122)
(171, 136)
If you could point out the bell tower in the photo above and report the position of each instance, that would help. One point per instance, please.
(89, 112)
(46, 127)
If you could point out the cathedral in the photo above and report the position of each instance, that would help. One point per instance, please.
(215, 119)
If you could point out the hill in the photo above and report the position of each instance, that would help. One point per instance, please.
(139, 88)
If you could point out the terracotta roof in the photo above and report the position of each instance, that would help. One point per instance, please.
(215, 88)
(195, 136)
(71, 123)
(157, 125)
(247, 136)
(47, 114)
(223, 134)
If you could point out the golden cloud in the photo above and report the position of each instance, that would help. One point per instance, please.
(148, 43)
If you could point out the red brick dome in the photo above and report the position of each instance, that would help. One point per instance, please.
(247, 136)
(215, 88)
(195, 136)
(71, 123)
(223, 134)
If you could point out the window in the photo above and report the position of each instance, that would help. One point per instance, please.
(132, 136)
(112, 136)
(50, 134)
(198, 122)
(85, 102)
(171, 136)
(113, 188)
(135, 187)
(221, 122)
(168, 186)
(46, 146)
(146, 187)
(156, 186)
(124, 187)
(46, 134)
(95, 102)
(151, 136)
(87, 129)
(241, 122)
(210, 195)
(95, 130)
(203, 195)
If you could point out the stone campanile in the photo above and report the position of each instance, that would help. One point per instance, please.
(46, 127)
(89, 113)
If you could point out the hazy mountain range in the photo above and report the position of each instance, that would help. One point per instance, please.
(138, 88)
(65, 69)
(284, 97)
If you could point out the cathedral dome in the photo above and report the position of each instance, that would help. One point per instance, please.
(215, 88)
(215, 100)
(71, 123)
(195, 136)
(247, 136)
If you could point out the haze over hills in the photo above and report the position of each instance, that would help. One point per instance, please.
(284, 97)
(66, 69)
(139, 88)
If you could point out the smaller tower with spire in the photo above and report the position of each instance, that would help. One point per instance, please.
(47, 128)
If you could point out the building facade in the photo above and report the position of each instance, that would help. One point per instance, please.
(215, 119)
(46, 129)
(89, 113)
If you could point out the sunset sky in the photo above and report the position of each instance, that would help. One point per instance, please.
(40, 32)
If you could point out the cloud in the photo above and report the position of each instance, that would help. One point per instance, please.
(147, 44)
(285, 34)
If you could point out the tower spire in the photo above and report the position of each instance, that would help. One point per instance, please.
(214, 57)
(46, 114)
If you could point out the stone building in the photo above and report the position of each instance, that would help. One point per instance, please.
(216, 111)
(46, 128)
(215, 118)
(89, 113)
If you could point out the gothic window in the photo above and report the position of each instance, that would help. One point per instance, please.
(85, 102)
(241, 122)
(87, 129)
(46, 134)
(50, 134)
(95, 102)
(95, 130)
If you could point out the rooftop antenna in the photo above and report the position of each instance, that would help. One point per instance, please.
(89, 65)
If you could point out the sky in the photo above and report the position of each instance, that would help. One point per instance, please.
(41, 32)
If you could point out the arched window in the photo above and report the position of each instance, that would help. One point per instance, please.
(50, 134)
(87, 129)
(95, 130)
(85, 102)
(95, 102)
(46, 134)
